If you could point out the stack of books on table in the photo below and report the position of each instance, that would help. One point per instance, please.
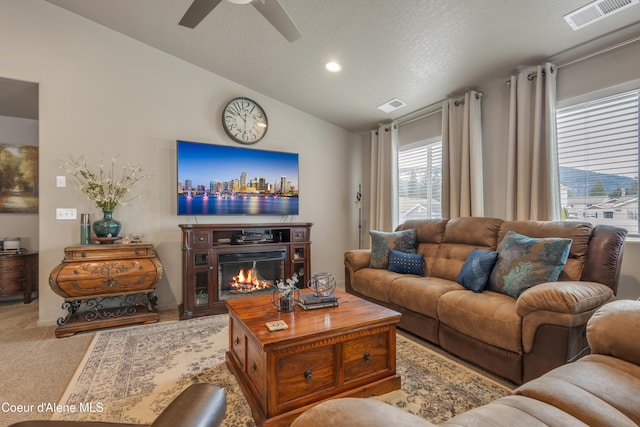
(313, 301)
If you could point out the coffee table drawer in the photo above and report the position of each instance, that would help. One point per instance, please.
(365, 356)
(303, 373)
(255, 368)
(238, 342)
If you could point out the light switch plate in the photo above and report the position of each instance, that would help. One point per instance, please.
(66, 213)
(61, 181)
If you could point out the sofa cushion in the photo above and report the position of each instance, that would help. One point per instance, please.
(477, 269)
(382, 242)
(525, 261)
(517, 411)
(406, 263)
(578, 232)
(374, 283)
(421, 294)
(489, 317)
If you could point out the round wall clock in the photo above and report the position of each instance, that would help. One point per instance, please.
(244, 121)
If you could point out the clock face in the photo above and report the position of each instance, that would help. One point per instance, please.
(244, 121)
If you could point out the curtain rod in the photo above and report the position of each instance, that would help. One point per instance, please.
(623, 43)
(601, 51)
(406, 119)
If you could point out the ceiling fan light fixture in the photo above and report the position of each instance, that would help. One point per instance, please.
(333, 67)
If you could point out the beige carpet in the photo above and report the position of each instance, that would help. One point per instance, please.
(131, 374)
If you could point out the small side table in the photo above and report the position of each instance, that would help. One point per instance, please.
(106, 285)
(19, 274)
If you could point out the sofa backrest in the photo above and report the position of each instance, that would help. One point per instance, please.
(595, 254)
(430, 234)
(461, 236)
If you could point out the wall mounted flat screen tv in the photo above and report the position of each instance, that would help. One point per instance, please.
(227, 180)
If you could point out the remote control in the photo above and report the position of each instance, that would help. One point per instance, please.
(278, 325)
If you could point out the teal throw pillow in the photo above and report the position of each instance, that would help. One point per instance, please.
(406, 263)
(476, 269)
(524, 262)
(382, 242)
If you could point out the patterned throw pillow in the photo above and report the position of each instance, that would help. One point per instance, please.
(406, 263)
(382, 242)
(476, 269)
(524, 262)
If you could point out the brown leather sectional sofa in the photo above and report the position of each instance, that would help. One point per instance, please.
(600, 389)
(518, 339)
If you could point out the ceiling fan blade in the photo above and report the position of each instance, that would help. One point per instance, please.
(273, 12)
(198, 10)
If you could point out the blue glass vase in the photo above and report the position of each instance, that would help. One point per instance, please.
(107, 226)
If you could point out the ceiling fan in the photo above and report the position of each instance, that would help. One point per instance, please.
(272, 10)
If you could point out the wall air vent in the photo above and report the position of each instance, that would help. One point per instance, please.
(392, 105)
(596, 11)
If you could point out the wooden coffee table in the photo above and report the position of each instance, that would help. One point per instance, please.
(349, 350)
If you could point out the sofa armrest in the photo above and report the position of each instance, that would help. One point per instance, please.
(614, 330)
(571, 297)
(356, 259)
(199, 405)
(568, 304)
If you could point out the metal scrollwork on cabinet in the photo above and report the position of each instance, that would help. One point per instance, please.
(106, 285)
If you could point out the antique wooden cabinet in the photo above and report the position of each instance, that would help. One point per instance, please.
(211, 251)
(106, 285)
(19, 274)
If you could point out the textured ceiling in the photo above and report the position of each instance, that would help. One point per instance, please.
(419, 51)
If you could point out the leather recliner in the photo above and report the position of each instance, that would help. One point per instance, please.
(199, 405)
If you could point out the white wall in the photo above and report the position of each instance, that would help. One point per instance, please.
(17, 131)
(104, 93)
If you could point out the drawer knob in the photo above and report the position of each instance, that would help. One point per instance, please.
(307, 375)
(367, 356)
(237, 341)
(75, 272)
(254, 367)
(201, 239)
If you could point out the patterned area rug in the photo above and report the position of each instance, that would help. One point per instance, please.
(131, 374)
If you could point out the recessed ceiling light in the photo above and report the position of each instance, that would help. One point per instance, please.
(333, 67)
(239, 1)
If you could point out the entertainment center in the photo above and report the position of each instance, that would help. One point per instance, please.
(225, 261)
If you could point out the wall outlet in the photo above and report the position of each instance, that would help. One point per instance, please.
(66, 213)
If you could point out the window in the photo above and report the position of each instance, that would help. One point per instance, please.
(598, 153)
(420, 180)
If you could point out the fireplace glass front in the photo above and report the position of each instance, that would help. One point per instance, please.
(249, 273)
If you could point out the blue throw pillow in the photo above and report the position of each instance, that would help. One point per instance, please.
(406, 263)
(382, 242)
(476, 269)
(524, 262)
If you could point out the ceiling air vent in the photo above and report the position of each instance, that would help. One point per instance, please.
(392, 105)
(596, 11)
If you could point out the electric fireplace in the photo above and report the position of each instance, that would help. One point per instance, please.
(221, 262)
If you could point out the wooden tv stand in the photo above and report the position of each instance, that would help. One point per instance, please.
(202, 244)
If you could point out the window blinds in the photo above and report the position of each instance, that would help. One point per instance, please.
(420, 181)
(598, 155)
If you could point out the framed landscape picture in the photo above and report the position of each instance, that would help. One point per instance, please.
(18, 179)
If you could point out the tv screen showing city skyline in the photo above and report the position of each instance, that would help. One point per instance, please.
(227, 180)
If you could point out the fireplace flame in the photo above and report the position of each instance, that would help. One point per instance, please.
(248, 282)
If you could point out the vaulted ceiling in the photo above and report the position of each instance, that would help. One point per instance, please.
(419, 51)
